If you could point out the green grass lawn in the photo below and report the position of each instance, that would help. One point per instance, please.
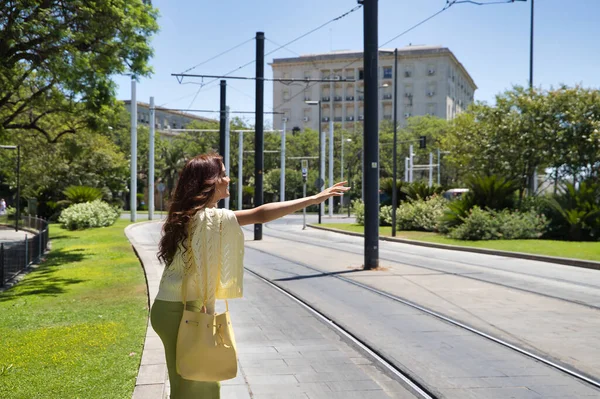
(565, 249)
(75, 326)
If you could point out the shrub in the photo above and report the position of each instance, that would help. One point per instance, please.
(80, 194)
(386, 185)
(88, 214)
(575, 214)
(385, 215)
(486, 192)
(358, 208)
(419, 215)
(494, 225)
(420, 191)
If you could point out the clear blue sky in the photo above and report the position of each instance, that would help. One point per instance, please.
(492, 42)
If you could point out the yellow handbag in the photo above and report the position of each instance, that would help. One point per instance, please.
(206, 349)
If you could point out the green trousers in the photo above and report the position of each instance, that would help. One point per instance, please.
(165, 317)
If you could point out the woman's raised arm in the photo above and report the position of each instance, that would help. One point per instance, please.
(275, 210)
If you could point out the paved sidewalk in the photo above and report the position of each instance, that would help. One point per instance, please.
(8, 234)
(284, 351)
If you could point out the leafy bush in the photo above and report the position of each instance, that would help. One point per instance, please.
(385, 215)
(80, 194)
(420, 191)
(418, 215)
(575, 214)
(492, 192)
(88, 214)
(386, 185)
(358, 209)
(486, 192)
(494, 225)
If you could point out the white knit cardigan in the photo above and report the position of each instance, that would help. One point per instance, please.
(217, 246)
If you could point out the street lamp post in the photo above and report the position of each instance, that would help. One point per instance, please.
(321, 149)
(18, 205)
(395, 146)
(342, 169)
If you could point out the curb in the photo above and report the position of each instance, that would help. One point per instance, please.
(151, 379)
(586, 264)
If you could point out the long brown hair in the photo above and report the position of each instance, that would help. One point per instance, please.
(195, 188)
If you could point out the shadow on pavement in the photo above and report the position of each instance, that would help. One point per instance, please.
(316, 275)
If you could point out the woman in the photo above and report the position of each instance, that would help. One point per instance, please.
(192, 222)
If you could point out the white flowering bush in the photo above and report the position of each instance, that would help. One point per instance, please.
(420, 215)
(88, 214)
(358, 208)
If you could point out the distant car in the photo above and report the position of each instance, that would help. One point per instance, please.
(455, 193)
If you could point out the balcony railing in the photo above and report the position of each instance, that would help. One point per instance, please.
(325, 98)
(349, 98)
(337, 119)
(387, 96)
(337, 98)
(350, 118)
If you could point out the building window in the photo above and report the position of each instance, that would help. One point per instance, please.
(286, 94)
(387, 72)
(307, 75)
(361, 74)
(431, 109)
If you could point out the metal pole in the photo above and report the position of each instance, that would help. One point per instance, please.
(240, 183)
(18, 214)
(227, 150)
(411, 161)
(531, 48)
(395, 146)
(282, 164)
(406, 167)
(222, 123)
(371, 135)
(304, 209)
(151, 164)
(133, 184)
(430, 169)
(349, 196)
(439, 166)
(330, 165)
(321, 159)
(533, 185)
(259, 135)
(342, 168)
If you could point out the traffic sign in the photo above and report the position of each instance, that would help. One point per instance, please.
(161, 187)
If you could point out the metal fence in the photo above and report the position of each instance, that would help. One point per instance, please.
(16, 256)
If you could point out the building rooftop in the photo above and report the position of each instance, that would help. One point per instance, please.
(408, 51)
(169, 111)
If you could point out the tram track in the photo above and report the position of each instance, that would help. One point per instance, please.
(404, 377)
(442, 271)
(559, 366)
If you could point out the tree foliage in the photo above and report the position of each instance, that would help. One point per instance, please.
(57, 56)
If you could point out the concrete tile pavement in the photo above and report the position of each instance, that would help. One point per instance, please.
(284, 351)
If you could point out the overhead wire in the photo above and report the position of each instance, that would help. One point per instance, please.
(218, 55)
(277, 49)
(449, 3)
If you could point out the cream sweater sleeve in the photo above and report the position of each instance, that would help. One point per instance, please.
(231, 266)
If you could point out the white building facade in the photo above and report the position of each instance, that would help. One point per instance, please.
(431, 81)
(165, 120)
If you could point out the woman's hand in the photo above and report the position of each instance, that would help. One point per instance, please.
(337, 190)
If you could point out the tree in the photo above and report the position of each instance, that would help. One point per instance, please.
(575, 134)
(526, 130)
(68, 50)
